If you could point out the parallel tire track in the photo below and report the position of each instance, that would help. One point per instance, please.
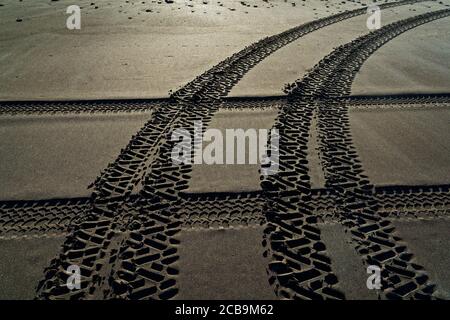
(299, 266)
(374, 235)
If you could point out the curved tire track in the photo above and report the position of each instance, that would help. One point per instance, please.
(357, 205)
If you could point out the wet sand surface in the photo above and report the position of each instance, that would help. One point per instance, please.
(179, 40)
(234, 177)
(59, 156)
(430, 241)
(20, 272)
(347, 265)
(232, 265)
(403, 147)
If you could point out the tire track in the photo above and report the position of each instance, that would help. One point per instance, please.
(46, 218)
(299, 266)
(95, 244)
(248, 103)
(39, 218)
(397, 101)
(71, 107)
(373, 234)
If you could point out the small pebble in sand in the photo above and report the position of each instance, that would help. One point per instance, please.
(18, 20)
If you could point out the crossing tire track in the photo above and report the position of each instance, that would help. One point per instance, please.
(405, 101)
(52, 217)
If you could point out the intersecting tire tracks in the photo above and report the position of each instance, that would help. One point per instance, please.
(405, 101)
(41, 218)
(106, 254)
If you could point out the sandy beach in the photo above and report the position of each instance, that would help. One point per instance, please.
(88, 180)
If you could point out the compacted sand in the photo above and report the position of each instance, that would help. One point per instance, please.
(229, 178)
(46, 157)
(432, 253)
(232, 268)
(403, 146)
(22, 264)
